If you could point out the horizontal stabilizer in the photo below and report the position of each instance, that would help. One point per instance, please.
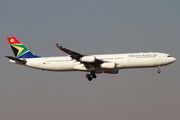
(21, 61)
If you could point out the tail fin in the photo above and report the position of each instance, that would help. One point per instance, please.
(20, 51)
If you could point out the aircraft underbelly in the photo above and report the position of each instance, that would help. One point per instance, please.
(54, 66)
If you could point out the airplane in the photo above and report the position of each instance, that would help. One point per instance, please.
(92, 64)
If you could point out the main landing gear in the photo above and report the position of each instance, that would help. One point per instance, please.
(91, 75)
(159, 70)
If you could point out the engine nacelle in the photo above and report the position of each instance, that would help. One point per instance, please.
(111, 72)
(108, 65)
(88, 59)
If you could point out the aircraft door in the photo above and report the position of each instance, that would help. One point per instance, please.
(158, 59)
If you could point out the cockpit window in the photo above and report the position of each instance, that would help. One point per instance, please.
(169, 56)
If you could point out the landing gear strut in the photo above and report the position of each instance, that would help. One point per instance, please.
(159, 70)
(91, 75)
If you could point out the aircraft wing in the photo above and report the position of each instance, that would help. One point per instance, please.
(78, 56)
(73, 55)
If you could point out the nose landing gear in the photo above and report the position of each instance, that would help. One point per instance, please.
(91, 75)
(159, 70)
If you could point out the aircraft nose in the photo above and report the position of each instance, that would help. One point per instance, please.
(173, 59)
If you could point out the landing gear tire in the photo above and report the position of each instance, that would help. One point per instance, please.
(94, 76)
(90, 78)
(88, 75)
(91, 75)
(159, 71)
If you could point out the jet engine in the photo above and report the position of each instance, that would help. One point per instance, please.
(88, 59)
(108, 65)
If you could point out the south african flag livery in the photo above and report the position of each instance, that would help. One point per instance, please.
(20, 51)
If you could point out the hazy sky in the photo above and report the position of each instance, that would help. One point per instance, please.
(90, 27)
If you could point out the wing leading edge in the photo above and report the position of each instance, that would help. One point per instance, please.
(81, 57)
(73, 55)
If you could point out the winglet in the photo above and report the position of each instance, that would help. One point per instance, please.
(59, 46)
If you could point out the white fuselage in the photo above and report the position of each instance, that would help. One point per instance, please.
(122, 61)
